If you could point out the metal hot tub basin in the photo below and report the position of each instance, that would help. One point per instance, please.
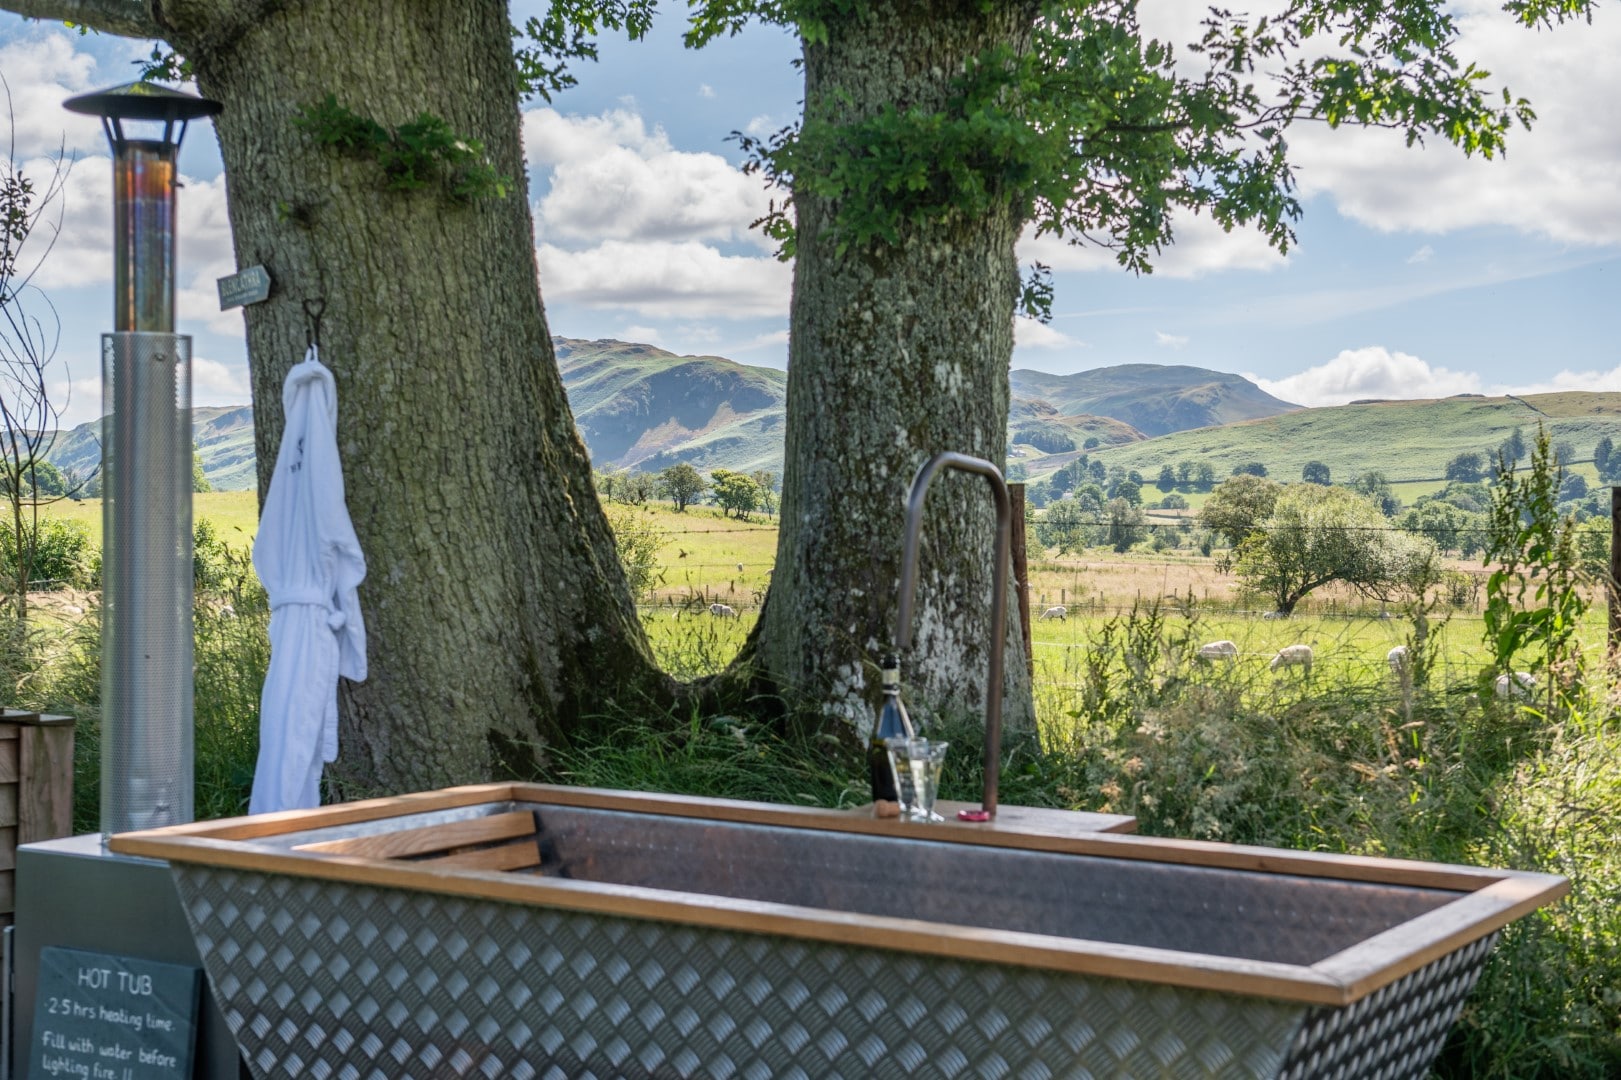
(523, 930)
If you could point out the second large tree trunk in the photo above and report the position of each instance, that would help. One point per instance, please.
(896, 352)
(495, 606)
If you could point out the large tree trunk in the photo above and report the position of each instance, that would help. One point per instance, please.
(495, 607)
(896, 352)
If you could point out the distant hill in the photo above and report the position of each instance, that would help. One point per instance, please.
(638, 406)
(642, 407)
(224, 437)
(1406, 440)
(1155, 399)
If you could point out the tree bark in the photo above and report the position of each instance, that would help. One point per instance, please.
(896, 352)
(496, 610)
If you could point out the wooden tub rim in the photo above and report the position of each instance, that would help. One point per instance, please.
(1488, 898)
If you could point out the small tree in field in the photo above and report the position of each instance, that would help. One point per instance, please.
(736, 494)
(766, 481)
(1239, 506)
(1126, 524)
(682, 484)
(1467, 468)
(1319, 535)
(1316, 472)
(29, 332)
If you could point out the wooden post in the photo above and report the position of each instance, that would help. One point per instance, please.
(36, 789)
(1614, 584)
(1021, 573)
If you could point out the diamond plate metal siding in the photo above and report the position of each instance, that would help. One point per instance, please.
(326, 979)
(1397, 1030)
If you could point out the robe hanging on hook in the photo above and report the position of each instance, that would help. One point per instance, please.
(313, 311)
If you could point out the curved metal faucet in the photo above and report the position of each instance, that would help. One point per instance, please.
(903, 629)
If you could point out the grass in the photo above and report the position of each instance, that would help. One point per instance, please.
(235, 515)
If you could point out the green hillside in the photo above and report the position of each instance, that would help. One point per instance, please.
(1406, 440)
(1155, 399)
(638, 406)
(224, 437)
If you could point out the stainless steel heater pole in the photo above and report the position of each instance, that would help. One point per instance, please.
(146, 642)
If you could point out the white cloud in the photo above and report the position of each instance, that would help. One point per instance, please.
(1562, 179)
(214, 383)
(776, 340)
(1200, 247)
(642, 335)
(1423, 255)
(43, 70)
(1596, 381)
(761, 126)
(1370, 372)
(613, 179)
(661, 279)
(1377, 372)
(1169, 341)
(82, 251)
(76, 395)
(1030, 334)
(705, 90)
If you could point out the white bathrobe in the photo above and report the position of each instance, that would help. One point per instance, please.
(310, 564)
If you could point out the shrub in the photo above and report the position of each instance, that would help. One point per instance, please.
(60, 550)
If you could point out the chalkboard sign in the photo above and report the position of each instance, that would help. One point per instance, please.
(104, 1017)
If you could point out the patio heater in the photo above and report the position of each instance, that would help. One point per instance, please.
(146, 647)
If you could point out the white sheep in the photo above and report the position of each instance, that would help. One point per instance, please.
(1275, 615)
(1397, 659)
(1521, 686)
(1292, 656)
(1218, 650)
(1057, 611)
(724, 611)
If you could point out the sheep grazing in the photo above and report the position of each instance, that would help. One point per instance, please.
(1521, 685)
(1218, 650)
(1397, 659)
(1274, 615)
(1059, 612)
(724, 611)
(1292, 656)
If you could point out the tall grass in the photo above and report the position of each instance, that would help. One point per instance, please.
(1345, 760)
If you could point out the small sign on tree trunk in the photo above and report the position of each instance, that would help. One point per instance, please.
(244, 287)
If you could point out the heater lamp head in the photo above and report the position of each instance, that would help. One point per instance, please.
(142, 101)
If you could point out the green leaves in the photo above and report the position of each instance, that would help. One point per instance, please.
(420, 153)
(1097, 134)
(1533, 601)
(566, 33)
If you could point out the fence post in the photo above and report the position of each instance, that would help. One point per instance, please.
(1021, 572)
(1613, 586)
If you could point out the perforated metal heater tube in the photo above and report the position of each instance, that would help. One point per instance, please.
(146, 647)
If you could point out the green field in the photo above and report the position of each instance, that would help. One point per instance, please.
(234, 515)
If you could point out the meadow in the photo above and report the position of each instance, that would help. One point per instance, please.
(1347, 759)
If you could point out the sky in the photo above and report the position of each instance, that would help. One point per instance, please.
(1417, 272)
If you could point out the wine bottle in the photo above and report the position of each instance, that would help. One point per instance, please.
(892, 723)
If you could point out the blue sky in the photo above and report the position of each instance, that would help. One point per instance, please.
(1417, 273)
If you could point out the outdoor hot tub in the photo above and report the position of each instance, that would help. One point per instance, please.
(515, 930)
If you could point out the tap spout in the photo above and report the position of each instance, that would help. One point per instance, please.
(998, 640)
